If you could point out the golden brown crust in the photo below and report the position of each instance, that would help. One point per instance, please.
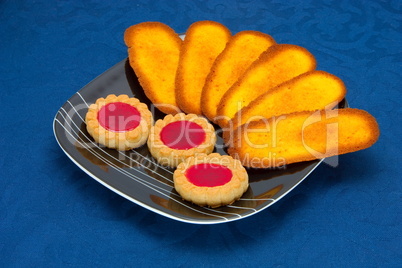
(203, 42)
(172, 157)
(277, 64)
(242, 49)
(310, 91)
(303, 136)
(211, 196)
(119, 140)
(153, 50)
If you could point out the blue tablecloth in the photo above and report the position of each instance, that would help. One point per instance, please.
(53, 214)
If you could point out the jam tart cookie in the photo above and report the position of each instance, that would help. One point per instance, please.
(177, 137)
(119, 122)
(212, 180)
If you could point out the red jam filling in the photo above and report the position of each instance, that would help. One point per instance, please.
(119, 117)
(182, 135)
(208, 175)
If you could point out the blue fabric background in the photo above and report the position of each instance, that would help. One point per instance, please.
(53, 214)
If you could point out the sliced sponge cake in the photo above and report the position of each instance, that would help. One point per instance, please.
(203, 42)
(310, 91)
(242, 49)
(303, 136)
(153, 51)
(276, 65)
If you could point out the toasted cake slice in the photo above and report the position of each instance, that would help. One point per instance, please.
(153, 51)
(303, 136)
(310, 91)
(203, 42)
(277, 64)
(242, 49)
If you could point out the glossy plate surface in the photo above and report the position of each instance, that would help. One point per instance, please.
(136, 176)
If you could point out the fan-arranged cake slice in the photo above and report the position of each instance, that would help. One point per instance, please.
(310, 91)
(153, 51)
(242, 49)
(276, 65)
(303, 136)
(203, 42)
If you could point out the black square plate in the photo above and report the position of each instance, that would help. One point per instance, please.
(136, 176)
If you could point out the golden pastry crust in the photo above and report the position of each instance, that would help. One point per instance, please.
(124, 140)
(303, 136)
(204, 41)
(211, 196)
(277, 64)
(242, 49)
(172, 157)
(153, 51)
